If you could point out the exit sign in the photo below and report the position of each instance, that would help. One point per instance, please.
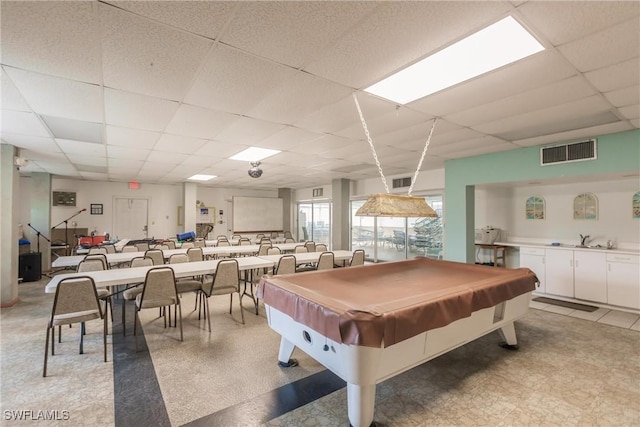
(134, 185)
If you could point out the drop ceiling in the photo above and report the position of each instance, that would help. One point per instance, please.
(158, 91)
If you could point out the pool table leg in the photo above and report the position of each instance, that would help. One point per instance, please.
(508, 334)
(361, 401)
(285, 352)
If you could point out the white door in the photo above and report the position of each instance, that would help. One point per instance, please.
(131, 218)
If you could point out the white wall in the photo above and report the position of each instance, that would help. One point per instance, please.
(505, 208)
(163, 205)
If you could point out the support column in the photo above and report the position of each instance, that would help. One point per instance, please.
(40, 197)
(189, 200)
(340, 213)
(286, 195)
(9, 183)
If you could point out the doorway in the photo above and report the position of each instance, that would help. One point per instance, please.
(131, 218)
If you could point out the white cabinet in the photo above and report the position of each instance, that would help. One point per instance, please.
(590, 275)
(533, 258)
(623, 280)
(559, 272)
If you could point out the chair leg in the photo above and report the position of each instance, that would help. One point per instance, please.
(46, 351)
(178, 309)
(82, 337)
(135, 326)
(241, 310)
(60, 333)
(104, 336)
(53, 338)
(124, 324)
(230, 302)
(206, 313)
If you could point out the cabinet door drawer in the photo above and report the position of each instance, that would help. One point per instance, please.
(531, 251)
(633, 259)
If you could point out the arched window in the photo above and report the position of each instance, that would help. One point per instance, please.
(535, 207)
(585, 206)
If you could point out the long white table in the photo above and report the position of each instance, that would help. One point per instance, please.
(308, 257)
(124, 276)
(120, 257)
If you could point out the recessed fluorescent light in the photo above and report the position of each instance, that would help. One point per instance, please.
(499, 44)
(254, 154)
(198, 177)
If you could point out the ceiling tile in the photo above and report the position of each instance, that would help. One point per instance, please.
(298, 96)
(135, 138)
(219, 149)
(617, 76)
(624, 97)
(37, 144)
(608, 47)
(199, 122)
(84, 149)
(299, 24)
(249, 131)
(61, 38)
(630, 111)
(546, 96)
(120, 165)
(206, 18)
(235, 81)
(288, 138)
(376, 47)
(137, 111)
(80, 161)
(136, 154)
(587, 132)
(59, 97)
(23, 123)
(179, 144)
(145, 57)
(565, 21)
(11, 99)
(164, 157)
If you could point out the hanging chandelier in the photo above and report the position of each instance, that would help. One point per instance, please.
(394, 205)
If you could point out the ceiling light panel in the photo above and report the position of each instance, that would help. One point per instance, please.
(75, 130)
(201, 177)
(500, 44)
(254, 154)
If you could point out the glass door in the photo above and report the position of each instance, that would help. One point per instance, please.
(314, 222)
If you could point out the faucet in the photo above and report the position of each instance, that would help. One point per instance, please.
(583, 242)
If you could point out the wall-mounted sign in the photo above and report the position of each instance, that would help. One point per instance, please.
(64, 198)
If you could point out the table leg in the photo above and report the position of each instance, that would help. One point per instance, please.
(285, 352)
(361, 400)
(508, 334)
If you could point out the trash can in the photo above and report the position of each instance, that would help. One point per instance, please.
(29, 266)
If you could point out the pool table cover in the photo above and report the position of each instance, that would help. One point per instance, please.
(378, 305)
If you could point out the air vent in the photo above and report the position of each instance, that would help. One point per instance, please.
(573, 152)
(317, 192)
(401, 182)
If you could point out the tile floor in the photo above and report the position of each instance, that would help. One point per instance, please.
(572, 369)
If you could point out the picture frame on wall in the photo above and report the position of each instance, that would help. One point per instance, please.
(534, 208)
(635, 205)
(96, 209)
(585, 206)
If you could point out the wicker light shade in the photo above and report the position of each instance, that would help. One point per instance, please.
(396, 205)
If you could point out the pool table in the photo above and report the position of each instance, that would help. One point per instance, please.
(372, 322)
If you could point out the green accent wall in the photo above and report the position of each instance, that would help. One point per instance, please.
(616, 153)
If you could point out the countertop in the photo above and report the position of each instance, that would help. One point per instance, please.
(569, 246)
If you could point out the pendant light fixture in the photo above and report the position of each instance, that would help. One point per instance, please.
(395, 205)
